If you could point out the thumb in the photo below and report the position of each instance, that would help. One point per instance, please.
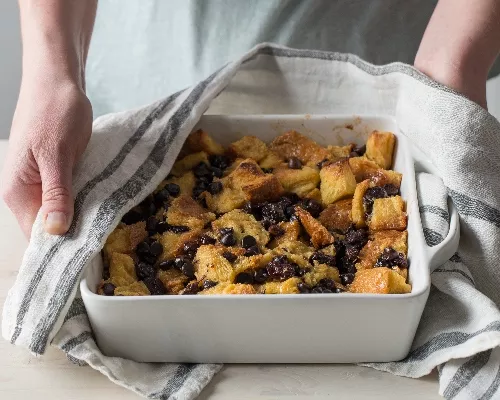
(57, 197)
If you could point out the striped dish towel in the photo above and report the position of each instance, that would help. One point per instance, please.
(131, 152)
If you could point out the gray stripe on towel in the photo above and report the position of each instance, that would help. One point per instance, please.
(432, 238)
(475, 208)
(441, 212)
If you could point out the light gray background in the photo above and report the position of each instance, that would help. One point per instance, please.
(10, 68)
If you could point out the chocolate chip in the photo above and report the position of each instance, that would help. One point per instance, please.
(178, 228)
(225, 231)
(248, 241)
(215, 187)
(185, 266)
(294, 163)
(167, 264)
(347, 279)
(228, 240)
(132, 217)
(252, 251)
(356, 237)
(108, 289)
(207, 284)
(144, 270)
(190, 248)
(229, 256)
(202, 185)
(202, 169)
(322, 258)
(260, 275)
(267, 170)
(151, 224)
(339, 290)
(205, 239)
(361, 150)
(303, 288)
(322, 163)
(219, 161)
(155, 286)
(312, 207)
(217, 172)
(191, 288)
(161, 197)
(142, 248)
(244, 277)
(173, 189)
(273, 213)
(156, 249)
(161, 227)
(197, 192)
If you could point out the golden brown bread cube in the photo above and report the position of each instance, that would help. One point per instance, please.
(209, 263)
(380, 148)
(228, 199)
(287, 287)
(295, 250)
(337, 182)
(379, 280)
(184, 210)
(125, 238)
(385, 177)
(299, 181)
(319, 234)
(321, 271)
(293, 144)
(248, 147)
(243, 224)
(173, 242)
(337, 216)
(121, 270)
(388, 213)
(188, 163)
(200, 140)
(134, 289)
(291, 231)
(186, 183)
(173, 280)
(363, 169)
(338, 152)
(271, 160)
(358, 209)
(314, 194)
(230, 288)
(376, 244)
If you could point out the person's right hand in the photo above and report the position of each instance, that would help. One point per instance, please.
(51, 128)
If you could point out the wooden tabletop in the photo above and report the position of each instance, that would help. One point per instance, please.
(53, 377)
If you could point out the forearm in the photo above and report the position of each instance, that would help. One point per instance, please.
(461, 43)
(56, 36)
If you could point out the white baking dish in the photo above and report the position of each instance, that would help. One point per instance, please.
(305, 328)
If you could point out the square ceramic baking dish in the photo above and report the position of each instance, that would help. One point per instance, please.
(304, 328)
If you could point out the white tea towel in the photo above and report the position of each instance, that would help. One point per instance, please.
(131, 152)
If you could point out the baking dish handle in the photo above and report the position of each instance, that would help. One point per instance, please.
(442, 252)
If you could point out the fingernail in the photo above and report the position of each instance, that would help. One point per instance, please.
(56, 223)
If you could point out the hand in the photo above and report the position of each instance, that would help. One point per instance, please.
(51, 128)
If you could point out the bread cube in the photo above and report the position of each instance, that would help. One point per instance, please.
(229, 288)
(314, 194)
(134, 289)
(121, 270)
(388, 213)
(209, 263)
(379, 281)
(248, 147)
(363, 168)
(293, 144)
(228, 199)
(337, 216)
(243, 224)
(337, 182)
(271, 160)
(338, 152)
(287, 287)
(321, 271)
(173, 242)
(358, 209)
(188, 163)
(184, 210)
(375, 246)
(186, 183)
(319, 234)
(125, 238)
(380, 148)
(200, 140)
(291, 232)
(173, 280)
(299, 181)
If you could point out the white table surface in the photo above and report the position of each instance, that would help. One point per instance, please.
(53, 377)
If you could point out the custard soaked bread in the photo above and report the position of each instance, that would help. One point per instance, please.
(287, 217)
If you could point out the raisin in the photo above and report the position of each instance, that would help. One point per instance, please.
(391, 190)
(156, 249)
(155, 286)
(244, 277)
(215, 187)
(294, 163)
(132, 217)
(197, 191)
(191, 288)
(161, 227)
(327, 284)
(144, 270)
(217, 172)
(273, 213)
(280, 269)
(202, 169)
(190, 248)
(142, 248)
(391, 258)
(229, 256)
(356, 237)
(303, 288)
(322, 258)
(346, 279)
(173, 189)
(218, 161)
(151, 224)
(312, 207)
(108, 289)
(205, 239)
(267, 170)
(370, 195)
(207, 284)
(248, 241)
(360, 150)
(164, 265)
